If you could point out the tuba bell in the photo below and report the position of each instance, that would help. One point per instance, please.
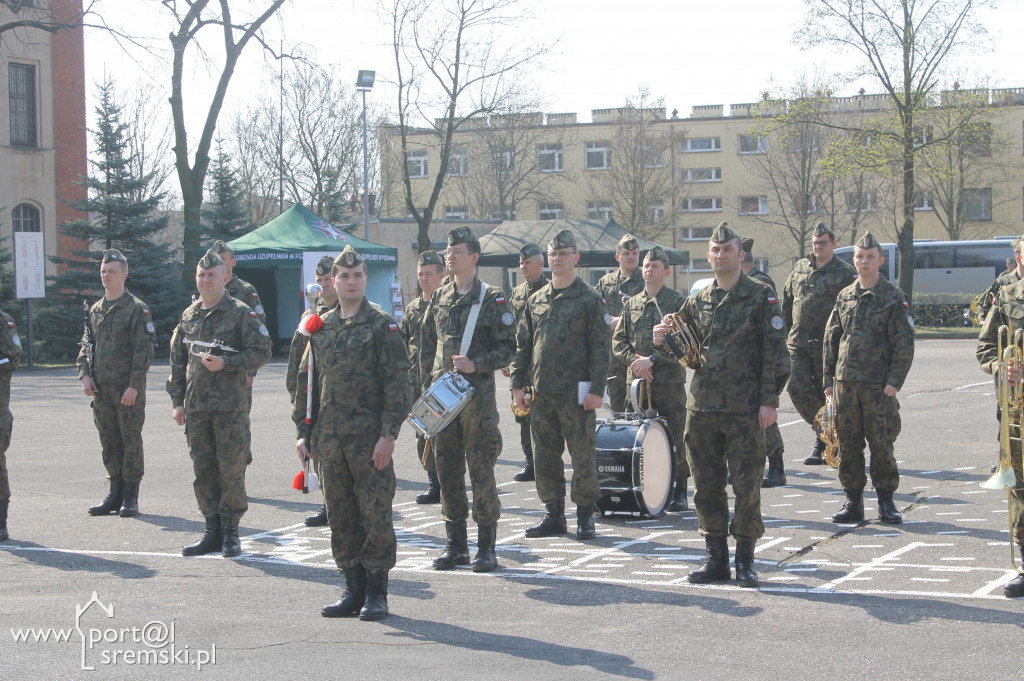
(522, 413)
(683, 344)
(825, 420)
(1011, 406)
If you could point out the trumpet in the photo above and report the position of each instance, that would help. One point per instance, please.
(682, 342)
(1011, 406)
(825, 420)
(522, 413)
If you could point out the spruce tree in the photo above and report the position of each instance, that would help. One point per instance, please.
(225, 215)
(116, 219)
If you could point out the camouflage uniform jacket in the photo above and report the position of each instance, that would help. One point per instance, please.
(760, 276)
(443, 325)
(1008, 310)
(563, 338)
(194, 386)
(869, 337)
(123, 337)
(635, 333)
(522, 293)
(809, 296)
(986, 299)
(360, 374)
(612, 285)
(409, 327)
(240, 289)
(742, 339)
(10, 349)
(298, 347)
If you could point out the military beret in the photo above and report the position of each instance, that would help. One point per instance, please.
(529, 250)
(324, 265)
(868, 241)
(222, 247)
(628, 243)
(462, 235)
(348, 258)
(821, 229)
(748, 244)
(114, 255)
(657, 253)
(210, 260)
(430, 258)
(723, 233)
(564, 239)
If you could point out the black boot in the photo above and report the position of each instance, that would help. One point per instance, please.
(433, 493)
(1015, 587)
(585, 522)
(815, 459)
(553, 522)
(745, 575)
(376, 607)
(3, 520)
(353, 598)
(232, 545)
(485, 560)
(456, 552)
(887, 512)
(130, 500)
(853, 510)
(212, 540)
(318, 519)
(716, 564)
(679, 504)
(526, 475)
(113, 501)
(776, 475)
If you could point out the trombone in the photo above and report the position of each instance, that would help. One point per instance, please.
(1010, 354)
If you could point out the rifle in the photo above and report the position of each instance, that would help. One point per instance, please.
(88, 343)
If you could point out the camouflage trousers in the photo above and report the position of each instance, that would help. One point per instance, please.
(217, 443)
(1016, 494)
(557, 422)
(669, 399)
(718, 443)
(863, 412)
(248, 410)
(773, 445)
(618, 389)
(421, 444)
(358, 499)
(472, 440)
(120, 430)
(6, 423)
(525, 439)
(805, 387)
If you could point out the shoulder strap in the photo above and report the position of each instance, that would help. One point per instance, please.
(474, 312)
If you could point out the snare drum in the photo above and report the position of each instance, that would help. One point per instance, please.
(635, 466)
(440, 404)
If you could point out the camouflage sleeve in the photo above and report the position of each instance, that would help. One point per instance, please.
(394, 365)
(787, 304)
(501, 337)
(252, 299)
(901, 339)
(600, 346)
(830, 345)
(10, 347)
(256, 347)
(179, 366)
(300, 398)
(295, 352)
(622, 345)
(142, 339)
(774, 356)
(987, 297)
(404, 326)
(428, 346)
(988, 341)
(83, 370)
(519, 372)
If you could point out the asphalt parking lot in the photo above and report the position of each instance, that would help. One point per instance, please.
(915, 601)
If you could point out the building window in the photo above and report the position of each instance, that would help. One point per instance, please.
(753, 205)
(455, 212)
(978, 140)
(799, 144)
(507, 214)
(923, 135)
(977, 204)
(860, 202)
(923, 200)
(694, 233)
(22, 81)
(549, 158)
(695, 144)
(655, 211)
(25, 217)
(599, 210)
(805, 205)
(650, 158)
(700, 206)
(599, 156)
(458, 163)
(551, 211)
(751, 144)
(688, 175)
(700, 263)
(416, 162)
(503, 161)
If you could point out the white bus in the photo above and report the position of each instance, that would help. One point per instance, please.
(947, 266)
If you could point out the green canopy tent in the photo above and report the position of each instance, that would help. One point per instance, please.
(279, 259)
(596, 240)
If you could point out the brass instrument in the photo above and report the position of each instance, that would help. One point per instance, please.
(682, 342)
(522, 413)
(1011, 415)
(825, 420)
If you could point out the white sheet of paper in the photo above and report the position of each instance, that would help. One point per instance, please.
(582, 390)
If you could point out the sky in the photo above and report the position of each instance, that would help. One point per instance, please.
(685, 51)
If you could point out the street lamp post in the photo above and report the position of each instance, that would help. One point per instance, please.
(364, 83)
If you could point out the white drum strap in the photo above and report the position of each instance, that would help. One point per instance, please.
(474, 313)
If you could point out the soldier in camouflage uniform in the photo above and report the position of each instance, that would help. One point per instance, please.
(531, 266)
(869, 347)
(1008, 311)
(733, 397)
(207, 386)
(774, 449)
(1011, 276)
(633, 344)
(10, 354)
(361, 378)
(616, 287)
(472, 439)
(807, 300)
(123, 336)
(327, 300)
(563, 340)
(429, 272)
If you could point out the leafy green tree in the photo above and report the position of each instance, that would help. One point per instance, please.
(226, 217)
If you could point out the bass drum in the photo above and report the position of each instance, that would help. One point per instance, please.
(635, 466)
